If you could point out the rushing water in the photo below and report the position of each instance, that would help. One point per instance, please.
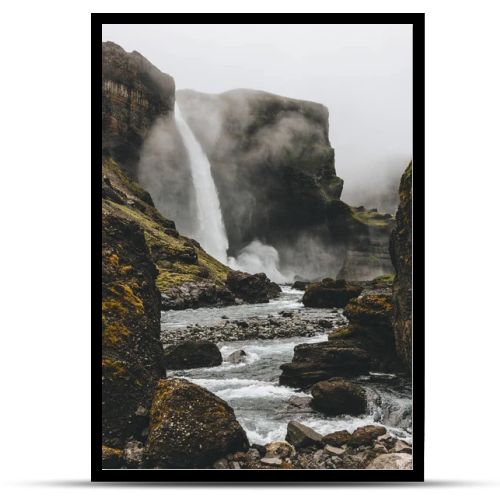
(262, 406)
(211, 232)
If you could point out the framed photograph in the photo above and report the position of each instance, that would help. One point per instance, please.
(261, 247)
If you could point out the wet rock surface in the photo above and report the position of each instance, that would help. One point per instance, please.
(252, 288)
(193, 295)
(330, 293)
(336, 397)
(191, 354)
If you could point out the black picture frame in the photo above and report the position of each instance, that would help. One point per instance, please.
(254, 476)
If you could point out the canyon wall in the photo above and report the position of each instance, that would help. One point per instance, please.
(401, 254)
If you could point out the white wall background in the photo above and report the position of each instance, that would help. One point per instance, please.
(45, 251)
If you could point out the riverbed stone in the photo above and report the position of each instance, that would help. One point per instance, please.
(192, 354)
(330, 293)
(337, 397)
(366, 435)
(252, 288)
(237, 357)
(338, 438)
(300, 435)
(281, 449)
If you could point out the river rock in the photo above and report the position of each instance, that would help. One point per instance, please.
(301, 285)
(237, 357)
(191, 427)
(391, 461)
(401, 447)
(337, 397)
(323, 360)
(299, 435)
(338, 438)
(330, 293)
(333, 450)
(271, 461)
(192, 354)
(252, 288)
(280, 449)
(366, 435)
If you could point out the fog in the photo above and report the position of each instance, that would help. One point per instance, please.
(362, 73)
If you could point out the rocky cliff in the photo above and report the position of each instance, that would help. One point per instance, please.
(134, 95)
(274, 168)
(401, 254)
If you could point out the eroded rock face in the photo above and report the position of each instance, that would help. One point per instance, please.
(401, 254)
(190, 427)
(131, 349)
(252, 288)
(134, 95)
(330, 293)
(192, 354)
(337, 397)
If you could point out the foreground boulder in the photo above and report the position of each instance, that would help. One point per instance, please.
(337, 438)
(252, 288)
(190, 427)
(330, 293)
(299, 435)
(192, 354)
(337, 397)
(401, 255)
(323, 360)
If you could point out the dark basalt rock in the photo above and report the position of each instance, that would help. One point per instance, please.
(191, 354)
(338, 397)
(193, 295)
(301, 285)
(323, 360)
(401, 254)
(190, 427)
(131, 349)
(112, 458)
(252, 288)
(330, 293)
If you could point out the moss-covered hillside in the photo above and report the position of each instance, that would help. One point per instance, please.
(179, 259)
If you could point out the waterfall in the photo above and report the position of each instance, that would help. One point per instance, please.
(211, 232)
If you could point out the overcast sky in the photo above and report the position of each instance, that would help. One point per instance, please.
(362, 73)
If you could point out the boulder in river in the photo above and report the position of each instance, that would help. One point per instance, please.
(252, 288)
(190, 427)
(301, 285)
(237, 357)
(337, 397)
(299, 435)
(330, 293)
(192, 354)
(323, 360)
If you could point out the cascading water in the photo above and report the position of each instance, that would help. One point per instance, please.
(211, 232)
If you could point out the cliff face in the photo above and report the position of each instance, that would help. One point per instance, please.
(134, 95)
(401, 254)
(275, 172)
(131, 349)
(271, 159)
